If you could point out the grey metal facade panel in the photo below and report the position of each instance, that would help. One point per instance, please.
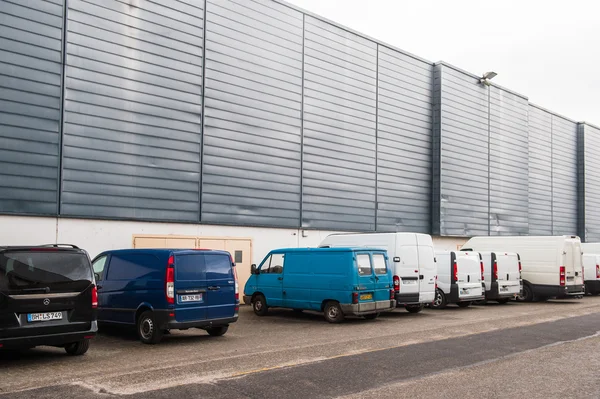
(509, 176)
(133, 103)
(540, 171)
(404, 142)
(564, 176)
(30, 91)
(339, 131)
(253, 105)
(461, 122)
(589, 190)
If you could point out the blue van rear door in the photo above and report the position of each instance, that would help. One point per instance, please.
(366, 278)
(383, 283)
(220, 294)
(190, 287)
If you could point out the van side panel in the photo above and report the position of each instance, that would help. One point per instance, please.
(444, 268)
(333, 278)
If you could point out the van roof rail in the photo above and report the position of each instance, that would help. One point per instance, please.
(58, 245)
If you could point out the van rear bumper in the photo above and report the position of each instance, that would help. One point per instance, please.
(494, 292)
(454, 296)
(61, 339)
(167, 322)
(558, 292)
(407, 299)
(363, 308)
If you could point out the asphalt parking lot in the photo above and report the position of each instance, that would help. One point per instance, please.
(482, 351)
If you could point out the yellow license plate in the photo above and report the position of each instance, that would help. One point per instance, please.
(366, 297)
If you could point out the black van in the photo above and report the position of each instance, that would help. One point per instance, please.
(48, 297)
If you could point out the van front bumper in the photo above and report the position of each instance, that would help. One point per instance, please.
(364, 308)
(61, 339)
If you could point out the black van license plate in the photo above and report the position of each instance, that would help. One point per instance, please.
(32, 317)
(190, 298)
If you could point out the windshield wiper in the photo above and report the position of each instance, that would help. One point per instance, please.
(44, 290)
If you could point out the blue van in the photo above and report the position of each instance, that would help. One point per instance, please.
(336, 281)
(158, 290)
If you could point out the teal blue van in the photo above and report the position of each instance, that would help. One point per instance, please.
(336, 281)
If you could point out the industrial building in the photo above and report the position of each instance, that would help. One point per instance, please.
(248, 125)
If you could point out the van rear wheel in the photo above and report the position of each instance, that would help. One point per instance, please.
(439, 302)
(259, 304)
(502, 301)
(527, 295)
(333, 312)
(217, 331)
(147, 329)
(414, 308)
(78, 348)
(464, 304)
(371, 316)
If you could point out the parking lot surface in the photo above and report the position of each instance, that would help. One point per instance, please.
(482, 351)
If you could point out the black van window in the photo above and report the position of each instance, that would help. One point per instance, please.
(133, 267)
(364, 264)
(53, 270)
(379, 264)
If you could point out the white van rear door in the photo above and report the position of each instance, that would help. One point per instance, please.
(469, 274)
(427, 272)
(572, 263)
(408, 269)
(508, 273)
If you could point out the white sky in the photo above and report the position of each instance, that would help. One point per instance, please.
(548, 50)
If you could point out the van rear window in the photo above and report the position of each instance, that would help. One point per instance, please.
(48, 270)
(364, 264)
(379, 264)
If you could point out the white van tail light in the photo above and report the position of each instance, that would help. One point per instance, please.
(170, 280)
(396, 284)
(597, 271)
(482, 273)
(455, 271)
(563, 276)
(94, 297)
(496, 270)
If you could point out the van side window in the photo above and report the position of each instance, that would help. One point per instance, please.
(134, 266)
(379, 264)
(364, 264)
(273, 265)
(99, 265)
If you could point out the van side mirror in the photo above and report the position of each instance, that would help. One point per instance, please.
(253, 269)
(397, 259)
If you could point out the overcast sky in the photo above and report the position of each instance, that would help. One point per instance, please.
(547, 50)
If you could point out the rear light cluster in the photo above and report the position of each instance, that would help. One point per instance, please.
(563, 276)
(455, 271)
(94, 297)
(482, 273)
(170, 281)
(355, 297)
(237, 287)
(597, 271)
(496, 270)
(396, 284)
(392, 294)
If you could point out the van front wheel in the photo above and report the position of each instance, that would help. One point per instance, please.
(259, 304)
(333, 312)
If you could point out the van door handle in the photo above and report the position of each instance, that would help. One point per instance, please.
(213, 288)
(421, 277)
(279, 278)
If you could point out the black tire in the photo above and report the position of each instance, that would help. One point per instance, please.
(78, 348)
(439, 302)
(502, 301)
(259, 304)
(371, 316)
(217, 331)
(414, 308)
(527, 295)
(147, 329)
(464, 304)
(333, 312)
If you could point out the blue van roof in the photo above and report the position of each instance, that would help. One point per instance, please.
(162, 251)
(334, 249)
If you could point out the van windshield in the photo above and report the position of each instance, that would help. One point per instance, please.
(43, 272)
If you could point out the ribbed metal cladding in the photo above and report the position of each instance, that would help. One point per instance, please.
(252, 133)
(564, 176)
(509, 150)
(540, 171)
(589, 178)
(30, 91)
(461, 201)
(339, 167)
(404, 142)
(133, 101)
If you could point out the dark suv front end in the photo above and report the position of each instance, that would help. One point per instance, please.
(48, 297)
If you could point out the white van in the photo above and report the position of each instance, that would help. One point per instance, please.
(412, 259)
(459, 279)
(551, 266)
(502, 275)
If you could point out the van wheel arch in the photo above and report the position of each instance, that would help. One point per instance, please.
(325, 302)
(140, 310)
(530, 298)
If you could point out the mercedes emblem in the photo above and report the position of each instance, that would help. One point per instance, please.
(46, 301)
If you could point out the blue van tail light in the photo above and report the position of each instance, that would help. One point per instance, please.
(396, 283)
(237, 289)
(355, 297)
(170, 280)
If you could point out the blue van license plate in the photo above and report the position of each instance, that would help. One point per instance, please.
(190, 298)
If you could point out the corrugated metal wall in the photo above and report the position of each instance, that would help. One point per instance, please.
(133, 103)
(461, 131)
(509, 205)
(589, 179)
(252, 133)
(404, 128)
(540, 171)
(564, 176)
(340, 108)
(30, 106)
(306, 124)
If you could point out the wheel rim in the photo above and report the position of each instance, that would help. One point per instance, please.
(332, 312)
(258, 305)
(146, 328)
(438, 299)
